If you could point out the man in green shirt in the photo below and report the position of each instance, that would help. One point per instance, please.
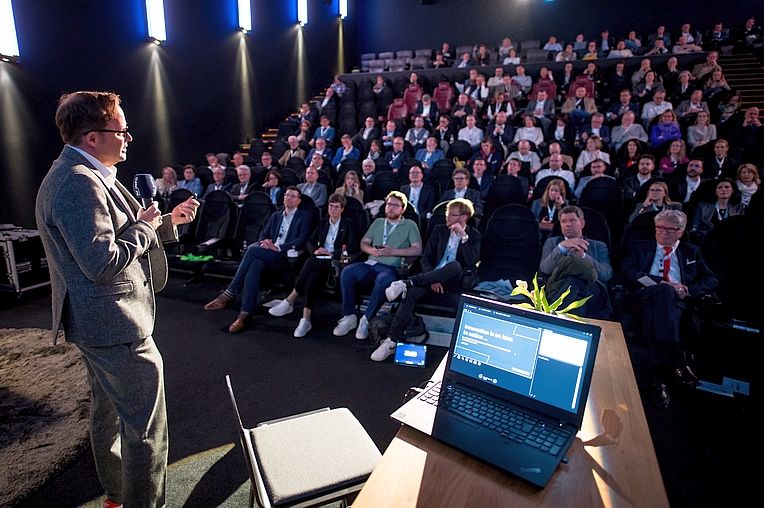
(386, 242)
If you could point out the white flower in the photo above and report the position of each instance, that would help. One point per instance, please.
(521, 284)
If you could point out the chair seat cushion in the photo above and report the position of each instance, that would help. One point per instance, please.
(312, 453)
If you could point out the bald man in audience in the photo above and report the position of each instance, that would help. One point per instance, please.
(240, 190)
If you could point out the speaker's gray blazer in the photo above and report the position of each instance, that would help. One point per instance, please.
(100, 260)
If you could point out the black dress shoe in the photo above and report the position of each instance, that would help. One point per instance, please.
(661, 396)
(686, 376)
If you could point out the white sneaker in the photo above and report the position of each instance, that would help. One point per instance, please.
(345, 324)
(363, 329)
(281, 309)
(396, 289)
(385, 349)
(303, 328)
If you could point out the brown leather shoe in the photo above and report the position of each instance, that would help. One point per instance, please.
(240, 323)
(219, 303)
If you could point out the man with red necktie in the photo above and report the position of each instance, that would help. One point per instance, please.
(670, 274)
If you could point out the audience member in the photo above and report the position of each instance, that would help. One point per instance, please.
(369, 169)
(242, 189)
(325, 131)
(702, 132)
(645, 173)
(191, 181)
(286, 230)
(542, 108)
(592, 152)
(678, 275)
(691, 181)
(483, 177)
(682, 46)
(667, 128)
(579, 107)
(218, 183)
(556, 170)
(387, 241)
(548, 206)
(657, 200)
(598, 167)
(348, 151)
(490, 155)
(428, 111)
(676, 156)
(596, 128)
(580, 265)
(452, 248)
(272, 186)
(749, 136)
(748, 182)
(417, 135)
(313, 188)
(707, 215)
(655, 107)
(471, 133)
(420, 196)
(529, 131)
(628, 129)
(524, 154)
(368, 133)
(461, 179)
(294, 151)
(706, 67)
(624, 104)
(692, 106)
(333, 234)
(514, 165)
(321, 149)
(351, 186)
(648, 86)
(397, 155)
(168, 182)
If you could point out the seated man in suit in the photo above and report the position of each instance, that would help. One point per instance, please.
(348, 151)
(430, 154)
(397, 155)
(333, 234)
(501, 131)
(392, 131)
(693, 106)
(629, 129)
(367, 134)
(631, 184)
(579, 108)
(618, 109)
(596, 128)
(240, 190)
(692, 180)
(218, 177)
(489, 154)
(667, 274)
(452, 248)
(387, 241)
(514, 165)
(482, 175)
(428, 111)
(286, 229)
(420, 196)
(321, 149)
(461, 178)
(312, 188)
(581, 264)
(542, 108)
(294, 151)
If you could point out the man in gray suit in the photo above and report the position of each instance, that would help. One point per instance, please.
(580, 263)
(106, 261)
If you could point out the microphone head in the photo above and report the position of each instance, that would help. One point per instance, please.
(144, 186)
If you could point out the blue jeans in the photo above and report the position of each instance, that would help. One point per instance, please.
(578, 117)
(247, 278)
(359, 273)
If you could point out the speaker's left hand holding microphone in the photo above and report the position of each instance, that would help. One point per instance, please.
(145, 188)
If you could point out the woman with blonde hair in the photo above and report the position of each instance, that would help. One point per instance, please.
(592, 152)
(351, 186)
(168, 182)
(702, 131)
(657, 200)
(748, 182)
(547, 207)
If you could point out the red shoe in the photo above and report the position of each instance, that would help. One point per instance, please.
(110, 504)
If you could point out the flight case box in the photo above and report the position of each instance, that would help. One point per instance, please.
(26, 266)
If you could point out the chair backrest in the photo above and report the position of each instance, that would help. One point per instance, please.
(412, 95)
(397, 65)
(526, 46)
(347, 112)
(423, 53)
(376, 65)
(419, 62)
(606, 196)
(289, 177)
(384, 182)
(546, 84)
(278, 149)
(459, 149)
(442, 171)
(404, 54)
(367, 109)
(217, 217)
(443, 95)
(386, 55)
(255, 211)
(397, 109)
(504, 190)
(673, 188)
(355, 211)
(460, 50)
(536, 55)
(510, 248)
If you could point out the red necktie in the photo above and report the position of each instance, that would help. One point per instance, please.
(666, 263)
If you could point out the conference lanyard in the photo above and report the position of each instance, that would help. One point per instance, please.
(385, 233)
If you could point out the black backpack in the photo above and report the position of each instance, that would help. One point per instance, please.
(379, 326)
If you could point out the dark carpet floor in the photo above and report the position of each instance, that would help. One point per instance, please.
(275, 375)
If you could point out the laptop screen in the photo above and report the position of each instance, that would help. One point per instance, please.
(541, 357)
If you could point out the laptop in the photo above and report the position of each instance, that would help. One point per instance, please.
(514, 388)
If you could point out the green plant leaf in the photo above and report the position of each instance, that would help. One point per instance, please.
(521, 291)
(542, 299)
(524, 305)
(574, 305)
(571, 316)
(558, 302)
(536, 292)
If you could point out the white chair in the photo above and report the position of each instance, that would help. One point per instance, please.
(308, 459)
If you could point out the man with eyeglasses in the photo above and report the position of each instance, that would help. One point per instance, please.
(287, 229)
(452, 248)
(667, 275)
(106, 262)
(387, 241)
(461, 178)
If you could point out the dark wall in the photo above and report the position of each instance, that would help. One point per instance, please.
(407, 24)
(181, 100)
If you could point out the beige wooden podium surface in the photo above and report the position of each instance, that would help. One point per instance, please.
(612, 460)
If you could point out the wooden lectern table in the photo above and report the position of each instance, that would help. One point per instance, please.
(612, 461)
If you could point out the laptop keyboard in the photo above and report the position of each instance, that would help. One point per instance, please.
(431, 395)
(510, 423)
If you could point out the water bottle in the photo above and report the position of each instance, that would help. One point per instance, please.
(244, 247)
(344, 257)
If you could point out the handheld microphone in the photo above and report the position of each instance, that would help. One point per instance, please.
(144, 188)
